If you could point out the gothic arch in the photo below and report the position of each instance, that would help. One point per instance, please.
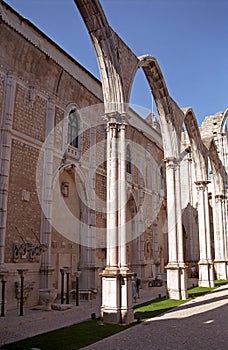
(169, 126)
(199, 151)
(76, 171)
(110, 52)
(118, 66)
(224, 120)
(200, 158)
(218, 170)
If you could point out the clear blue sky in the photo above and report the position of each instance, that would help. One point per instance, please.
(189, 39)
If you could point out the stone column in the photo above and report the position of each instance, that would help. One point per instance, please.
(176, 269)
(206, 275)
(220, 238)
(5, 149)
(223, 149)
(47, 197)
(225, 218)
(116, 279)
(182, 266)
(112, 190)
(122, 198)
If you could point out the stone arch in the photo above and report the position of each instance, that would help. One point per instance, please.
(110, 52)
(219, 208)
(218, 169)
(75, 168)
(199, 151)
(118, 66)
(224, 141)
(223, 122)
(200, 159)
(131, 209)
(77, 178)
(169, 127)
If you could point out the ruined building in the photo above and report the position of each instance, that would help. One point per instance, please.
(87, 190)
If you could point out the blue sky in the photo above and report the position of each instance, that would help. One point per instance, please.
(189, 39)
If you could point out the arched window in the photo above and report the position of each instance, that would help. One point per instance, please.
(128, 156)
(73, 129)
(162, 178)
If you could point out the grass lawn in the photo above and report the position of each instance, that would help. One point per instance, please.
(85, 333)
(159, 306)
(155, 308)
(69, 338)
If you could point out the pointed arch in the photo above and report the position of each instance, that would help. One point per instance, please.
(118, 66)
(223, 123)
(199, 151)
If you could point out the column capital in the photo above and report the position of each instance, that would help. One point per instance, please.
(116, 118)
(220, 197)
(171, 162)
(200, 185)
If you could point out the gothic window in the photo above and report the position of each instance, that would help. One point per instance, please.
(73, 129)
(162, 178)
(128, 156)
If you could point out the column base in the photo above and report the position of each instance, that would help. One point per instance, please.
(177, 281)
(220, 269)
(206, 274)
(117, 304)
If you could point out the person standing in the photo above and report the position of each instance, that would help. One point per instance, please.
(137, 284)
(133, 289)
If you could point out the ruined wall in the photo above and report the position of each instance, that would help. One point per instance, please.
(38, 79)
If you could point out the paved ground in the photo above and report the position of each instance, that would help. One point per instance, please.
(14, 327)
(201, 324)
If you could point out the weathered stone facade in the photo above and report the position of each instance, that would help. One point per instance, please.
(38, 91)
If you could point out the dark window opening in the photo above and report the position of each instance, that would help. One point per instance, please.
(73, 129)
(129, 165)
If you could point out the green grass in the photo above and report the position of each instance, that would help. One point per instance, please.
(198, 291)
(160, 306)
(89, 332)
(155, 308)
(69, 338)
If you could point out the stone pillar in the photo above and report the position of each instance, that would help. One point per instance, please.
(122, 198)
(224, 158)
(220, 261)
(176, 268)
(5, 149)
(206, 274)
(225, 208)
(116, 279)
(223, 149)
(112, 190)
(47, 197)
